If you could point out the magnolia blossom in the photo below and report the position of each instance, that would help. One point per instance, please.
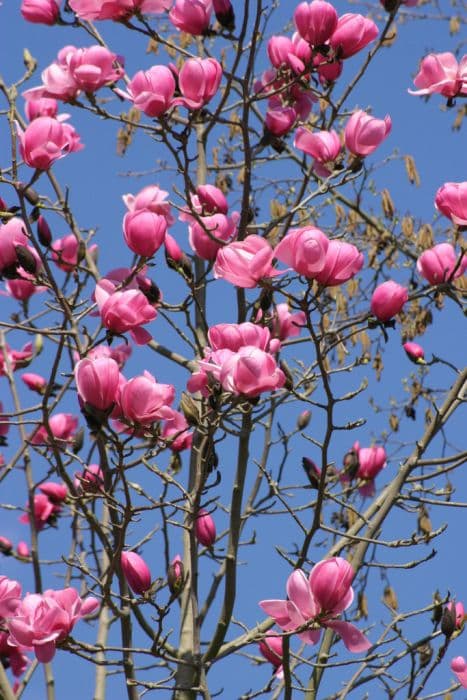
(205, 528)
(144, 231)
(191, 16)
(46, 140)
(233, 336)
(40, 11)
(286, 324)
(371, 460)
(204, 234)
(353, 32)
(451, 200)
(97, 382)
(324, 146)
(304, 249)
(44, 512)
(388, 299)
(342, 261)
(142, 400)
(119, 353)
(459, 668)
(175, 432)
(136, 572)
(63, 427)
(363, 134)
(441, 264)
(151, 91)
(315, 21)
(91, 480)
(16, 358)
(123, 311)
(271, 647)
(56, 493)
(245, 263)
(10, 596)
(441, 73)
(13, 656)
(415, 353)
(198, 80)
(41, 620)
(316, 602)
(41, 107)
(248, 372)
(67, 252)
(12, 234)
(280, 120)
(150, 198)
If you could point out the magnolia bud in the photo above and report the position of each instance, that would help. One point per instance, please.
(44, 233)
(448, 620)
(26, 259)
(189, 409)
(303, 420)
(22, 550)
(205, 529)
(312, 471)
(136, 572)
(5, 545)
(176, 576)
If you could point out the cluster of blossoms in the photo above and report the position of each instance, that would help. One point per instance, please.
(38, 622)
(317, 602)
(322, 42)
(135, 404)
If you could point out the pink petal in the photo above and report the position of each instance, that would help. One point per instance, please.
(45, 652)
(353, 639)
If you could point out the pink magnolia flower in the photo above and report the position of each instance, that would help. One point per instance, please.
(175, 432)
(91, 480)
(271, 647)
(46, 140)
(282, 51)
(205, 528)
(198, 80)
(211, 200)
(441, 264)
(35, 382)
(124, 311)
(191, 16)
(451, 200)
(117, 9)
(92, 68)
(41, 107)
(233, 336)
(42, 620)
(280, 120)
(224, 13)
(315, 21)
(441, 73)
(40, 11)
(342, 262)
(119, 353)
(63, 427)
(304, 249)
(66, 251)
(459, 668)
(10, 596)
(388, 299)
(285, 324)
(17, 358)
(56, 493)
(202, 236)
(151, 198)
(371, 461)
(44, 512)
(151, 91)
(136, 572)
(415, 353)
(97, 382)
(318, 601)
(57, 82)
(14, 657)
(353, 32)
(363, 134)
(12, 234)
(249, 372)
(245, 263)
(324, 146)
(144, 401)
(144, 231)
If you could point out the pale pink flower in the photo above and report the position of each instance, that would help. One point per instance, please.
(35, 382)
(150, 197)
(342, 262)
(92, 68)
(10, 596)
(363, 134)
(441, 264)
(371, 461)
(144, 231)
(117, 9)
(211, 200)
(175, 432)
(249, 372)
(271, 647)
(12, 234)
(63, 427)
(233, 336)
(119, 353)
(459, 669)
(66, 250)
(451, 200)
(245, 263)
(202, 234)
(286, 324)
(41, 107)
(13, 655)
(324, 146)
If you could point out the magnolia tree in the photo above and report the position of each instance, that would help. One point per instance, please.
(195, 414)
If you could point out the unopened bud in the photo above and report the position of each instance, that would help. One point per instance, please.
(303, 420)
(22, 550)
(6, 546)
(189, 409)
(44, 233)
(78, 441)
(448, 620)
(26, 259)
(415, 353)
(312, 471)
(38, 344)
(176, 576)
(438, 609)
(224, 13)
(205, 528)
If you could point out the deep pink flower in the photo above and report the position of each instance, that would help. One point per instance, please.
(10, 596)
(459, 668)
(91, 480)
(97, 382)
(191, 16)
(41, 107)
(144, 401)
(92, 68)
(211, 200)
(315, 21)
(287, 324)
(353, 32)
(40, 11)
(23, 549)
(415, 353)
(363, 134)
(205, 528)
(271, 647)
(152, 198)
(119, 353)
(371, 461)
(17, 358)
(441, 264)
(56, 493)
(388, 299)
(35, 382)
(63, 427)
(42, 620)
(319, 600)
(282, 51)
(66, 250)
(44, 512)
(249, 372)
(233, 336)
(198, 80)
(151, 91)
(218, 226)
(245, 263)
(451, 200)
(175, 432)
(324, 146)
(144, 231)
(136, 572)
(441, 73)
(12, 234)
(44, 141)
(342, 262)
(124, 311)
(280, 120)
(304, 249)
